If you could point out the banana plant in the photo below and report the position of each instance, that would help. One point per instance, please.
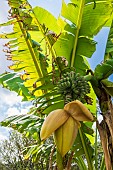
(51, 68)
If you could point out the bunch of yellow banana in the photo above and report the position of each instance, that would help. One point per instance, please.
(65, 123)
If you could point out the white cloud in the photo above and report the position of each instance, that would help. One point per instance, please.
(10, 105)
(9, 98)
(14, 111)
(25, 110)
(3, 137)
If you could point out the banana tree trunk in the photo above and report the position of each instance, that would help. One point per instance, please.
(105, 127)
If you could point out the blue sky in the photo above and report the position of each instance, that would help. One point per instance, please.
(11, 103)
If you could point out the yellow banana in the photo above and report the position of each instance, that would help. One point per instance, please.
(65, 135)
(53, 121)
(78, 111)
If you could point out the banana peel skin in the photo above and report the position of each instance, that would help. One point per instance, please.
(65, 123)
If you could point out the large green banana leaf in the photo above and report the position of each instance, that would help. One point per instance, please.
(13, 82)
(87, 23)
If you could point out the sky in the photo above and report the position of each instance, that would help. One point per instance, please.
(10, 103)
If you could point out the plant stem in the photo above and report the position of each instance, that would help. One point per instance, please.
(31, 50)
(78, 24)
(50, 47)
(59, 161)
(88, 77)
(96, 155)
(90, 167)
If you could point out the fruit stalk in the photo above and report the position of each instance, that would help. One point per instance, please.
(59, 161)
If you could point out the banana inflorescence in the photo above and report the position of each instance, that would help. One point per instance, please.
(65, 123)
(73, 86)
